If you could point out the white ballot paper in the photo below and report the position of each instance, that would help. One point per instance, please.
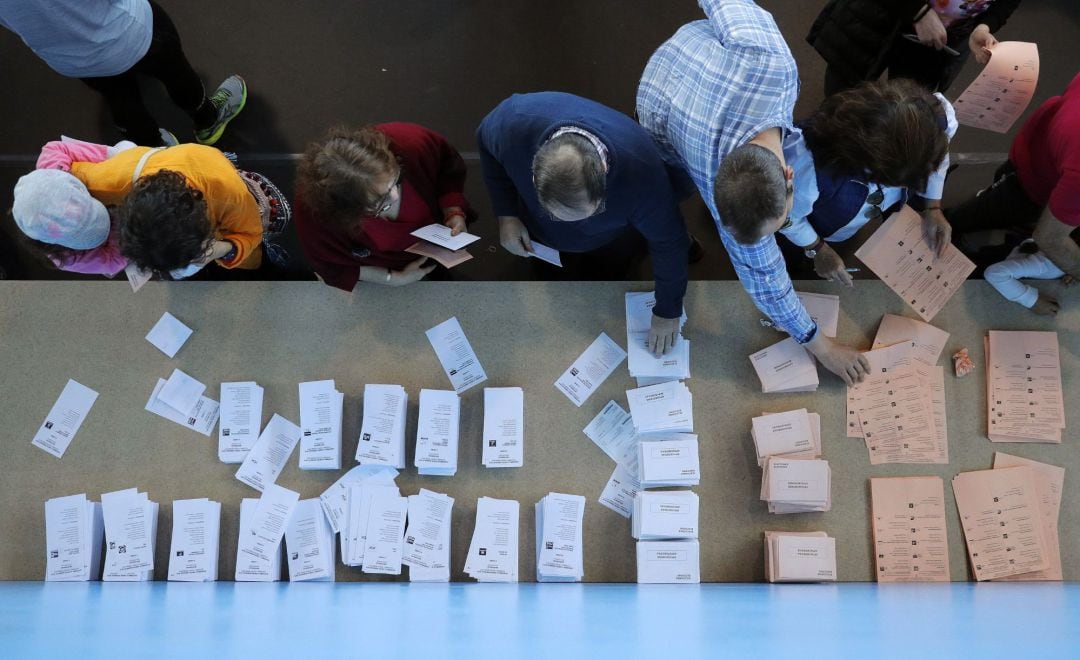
(668, 460)
(1001, 93)
(559, 551)
(641, 362)
(668, 562)
(64, 419)
(441, 235)
(800, 557)
(168, 334)
(493, 550)
(590, 369)
(354, 536)
(201, 418)
(456, 355)
(335, 499)
(665, 515)
(309, 544)
(193, 552)
(667, 407)
(136, 277)
(504, 427)
(130, 530)
(260, 536)
(248, 567)
(272, 450)
(796, 486)
(320, 425)
(181, 391)
(613, 431)
(545, 253)
(824, 310)
(437, 433)
(785, 367)
(382, 431)
(74, 532)
(427, 538)
(620, 491)
(385, 534)
(241, 419)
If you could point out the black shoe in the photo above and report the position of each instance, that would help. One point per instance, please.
(696, 252)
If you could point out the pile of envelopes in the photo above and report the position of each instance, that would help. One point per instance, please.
(800, 557)
(641, 362)
(665, 515)
(791, 434)
(796, 485)
(662, 408)
(785, 367)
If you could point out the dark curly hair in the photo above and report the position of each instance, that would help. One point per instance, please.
(163, 223)
(337, 175)
(887, 131)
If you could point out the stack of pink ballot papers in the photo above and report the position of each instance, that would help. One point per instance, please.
(791, 434)
(1049, 482)
(796, 485)
(785, 367)
(908, 519)
(1023, 387)
(800, 557)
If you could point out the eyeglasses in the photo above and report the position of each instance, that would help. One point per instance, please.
(385, 202)
(874, 199)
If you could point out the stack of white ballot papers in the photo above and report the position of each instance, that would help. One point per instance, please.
(74, 532)
(320, 425)
(642, 363)
(665, 407)
(382, 432)
(193, 553)
(130, 531)
(559, 551)
(309, 544)
(796, 486)
(427, 537)
(668, 562)
(180, 399)
(493, 550)
(262, 526)
(669, 459)
(368, 500)
(335, 499)
(272, 450)
(504, 427)
(241, 419)
(800, 557)
(785, 367)
(665, 515)
(792, 434)
(437, 433)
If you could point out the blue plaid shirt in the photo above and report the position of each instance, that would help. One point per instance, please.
(711, 88)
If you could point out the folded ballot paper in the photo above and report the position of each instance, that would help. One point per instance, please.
(791, 434)
(382, 432)
(180, 399)
(241, 419)
(800, 557)
(493, 550)
(437, 433)
(641, 362)
(130, 531)
(196, 532)
(504, 427)
(666, 407)
(668, 459)
(74, 532)
(320, 425)
(668, 562)
(785, 367)
(559, 546)
(427, 537)
(309, 544)
(665, 515)
(262, 526)
(796, 486)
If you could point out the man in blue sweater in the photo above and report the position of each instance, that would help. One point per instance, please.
(580, 177)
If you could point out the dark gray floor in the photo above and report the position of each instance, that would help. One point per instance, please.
(314, 64)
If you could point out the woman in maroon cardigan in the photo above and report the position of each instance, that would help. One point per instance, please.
(359, 194)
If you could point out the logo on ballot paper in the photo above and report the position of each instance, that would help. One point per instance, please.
(295, 556)
(179, 553)
(491, 443)
(48, 425)
(453, 372)
(190, 420)
(367, 437)
(549, 545)
(225, 432)
(54, 554)
(483, 552)
(410, 540)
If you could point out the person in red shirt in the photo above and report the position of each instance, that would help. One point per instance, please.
(1039, 185)
(361, 192)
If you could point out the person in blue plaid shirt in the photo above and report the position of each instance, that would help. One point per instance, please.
(718, 97)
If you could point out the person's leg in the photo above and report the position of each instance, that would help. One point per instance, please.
(128, 111)
(1003, 205)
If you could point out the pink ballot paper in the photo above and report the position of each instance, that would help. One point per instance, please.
(1001, 93)
(908, 520)
(1023, 387)
(900, 256)
(1049, 482)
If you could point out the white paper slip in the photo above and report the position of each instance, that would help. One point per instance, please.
(320, 425)
(545, 253)
(193, 551)
(493, 550)
(64, 418)
(591, 369)
(504, 427)
(248, 567)
(668, 460)
(309, 543)
(441, 235)
(665, 515)
(385, 534)
(668, 562)
(181, 392)
(272, 450)
(382, 430)
(201, 418)
(437, 433)
(130, 519)
(261, 534)
(168, 334)
(241, 419)
(613, 431)
(620, 491)
(74, 534)
(136, 277)
(559, 551)
(335, 499)
(824, 310)
(429, 518)
(785, 367)
(456, 355)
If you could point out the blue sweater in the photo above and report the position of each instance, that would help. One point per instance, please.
(638, 192)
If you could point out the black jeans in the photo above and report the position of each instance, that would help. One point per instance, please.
(165, 60)
(1004, 205)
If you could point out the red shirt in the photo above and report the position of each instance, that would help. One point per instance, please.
(1046, 153)
(433, 177)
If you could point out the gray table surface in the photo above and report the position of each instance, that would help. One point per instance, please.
(525, 334)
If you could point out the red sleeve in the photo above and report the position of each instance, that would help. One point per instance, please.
(1064, 200)
(431, 153)
(324, 248)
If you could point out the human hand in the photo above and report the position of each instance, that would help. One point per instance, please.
(413, 272)
(663, 334)
(828, 265)
(217, 250)
(846, 362)
(456, 222)
(931, 31)
(1068, 280)
(1046, 305)
(936, 230)
(513, 236)
(980, 42)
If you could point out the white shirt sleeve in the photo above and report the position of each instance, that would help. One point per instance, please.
(1005, 276)
(801, 232)
(935, 185)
